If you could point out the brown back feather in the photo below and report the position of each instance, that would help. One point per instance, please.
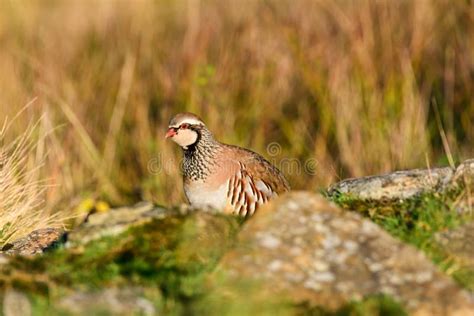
(260, 168)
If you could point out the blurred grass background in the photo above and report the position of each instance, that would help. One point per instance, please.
(363, 86)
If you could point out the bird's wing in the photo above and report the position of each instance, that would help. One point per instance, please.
(254, 183)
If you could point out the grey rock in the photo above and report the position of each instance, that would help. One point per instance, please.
(459, 244)
(464, 174)
(114, 301)
(16, 304)
(398, 185)
(464, 178)
(117, 221)
(114, 222)
(304, 247)
(401, 185)
(35, 243)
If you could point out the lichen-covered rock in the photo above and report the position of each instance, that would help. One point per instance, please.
(35, 243)
(465, 173)
(307, 248)
(113, 301)
(395, 186)
(457, 247)
(167, 253)
(114, 222)
(459, 243)
(16, 303)
(402, 185)
(464, 178)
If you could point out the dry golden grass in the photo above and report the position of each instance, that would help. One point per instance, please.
(352, 84)
(22, 188)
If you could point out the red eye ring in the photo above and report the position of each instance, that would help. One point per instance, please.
(184, 126)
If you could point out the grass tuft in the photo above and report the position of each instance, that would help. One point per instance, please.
(22, 188)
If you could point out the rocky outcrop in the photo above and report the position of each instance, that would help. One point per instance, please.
(114, 222)
(16, 303)
(464, 178)
(124, 261)
(97, 225)
(395, 186)
(459, 244)
(300, 248)
(314, 252)
(114, 301)
(403, 185)
(464, 174)
(35, 243)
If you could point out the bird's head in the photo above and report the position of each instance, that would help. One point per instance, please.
(185, 129)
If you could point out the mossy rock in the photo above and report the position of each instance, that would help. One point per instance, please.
(171, 255)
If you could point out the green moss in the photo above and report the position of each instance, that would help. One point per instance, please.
(386, 207)
(370, 306)
(465, 277)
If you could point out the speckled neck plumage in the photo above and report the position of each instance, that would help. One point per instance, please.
(199, 158)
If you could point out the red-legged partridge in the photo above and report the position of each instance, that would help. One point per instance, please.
(224, 177)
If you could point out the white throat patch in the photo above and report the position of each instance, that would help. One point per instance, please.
(185, 137)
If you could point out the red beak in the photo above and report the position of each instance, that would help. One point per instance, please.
(170, 133)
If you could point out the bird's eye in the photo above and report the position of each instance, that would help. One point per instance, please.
(184, 126)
